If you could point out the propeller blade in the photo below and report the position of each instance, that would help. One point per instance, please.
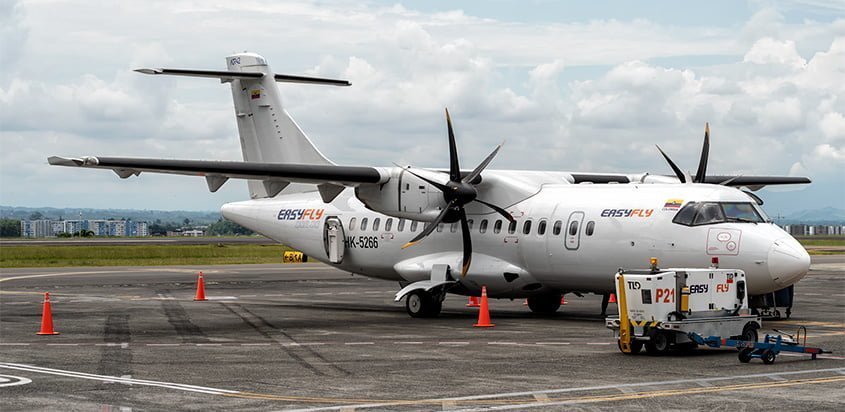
(431, 226)
(705, 153)
(454, 168)
(480, 168)
(498, 209)
(675, 167)
(467, 242)
(440, 186)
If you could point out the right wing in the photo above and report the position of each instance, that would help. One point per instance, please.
(330, 179)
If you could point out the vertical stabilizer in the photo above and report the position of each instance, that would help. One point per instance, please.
(267, 132)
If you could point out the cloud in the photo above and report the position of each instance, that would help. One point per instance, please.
(582, 95)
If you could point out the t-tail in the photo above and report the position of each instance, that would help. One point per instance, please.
(267, 132)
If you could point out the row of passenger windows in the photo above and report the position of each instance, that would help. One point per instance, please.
(483, 226)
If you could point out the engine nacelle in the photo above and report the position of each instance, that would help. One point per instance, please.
(403, 196)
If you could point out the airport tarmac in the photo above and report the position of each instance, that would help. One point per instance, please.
(309, 337)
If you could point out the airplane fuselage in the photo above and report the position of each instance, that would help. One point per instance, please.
(567, 238)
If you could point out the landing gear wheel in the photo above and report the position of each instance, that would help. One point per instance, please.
(768, 357)
(745, 355)
(636, 346)
(421, 304)
(659, 343)
(545, 304)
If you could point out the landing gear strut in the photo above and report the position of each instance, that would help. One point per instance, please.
(422, 304)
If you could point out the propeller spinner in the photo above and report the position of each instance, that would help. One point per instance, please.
(457, 192)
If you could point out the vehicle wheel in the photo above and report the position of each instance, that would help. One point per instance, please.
(749, 332)
(659, 343)
(636, 346)
(769, 357)
(745, 355)
(544, 303)
(420, 304)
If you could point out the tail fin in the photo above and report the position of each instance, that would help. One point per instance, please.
(267, 132)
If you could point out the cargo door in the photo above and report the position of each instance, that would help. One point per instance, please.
(333, 238)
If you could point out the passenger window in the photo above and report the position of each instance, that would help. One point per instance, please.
(591, 225)
(556, 228)
(454, 227)
(573, 228)
(413, 226)
(541, 227)
(482, 227)
(526, 227)
(388, 224)
(401, 225)
(497, 227)
(709, 213)
(364, 224)
(352, 224)
(376, 222)
(512, 227)
(439, 227)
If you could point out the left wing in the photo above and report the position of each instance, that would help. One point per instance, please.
(330, 179)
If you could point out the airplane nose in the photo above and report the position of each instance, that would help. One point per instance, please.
(788, 261)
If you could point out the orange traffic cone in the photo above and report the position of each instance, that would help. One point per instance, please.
(562, 300)
(484, 312)
(612, 298)
(47, 318)
(200, 288)
(473, 302)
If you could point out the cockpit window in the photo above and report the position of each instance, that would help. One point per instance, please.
(708, 213)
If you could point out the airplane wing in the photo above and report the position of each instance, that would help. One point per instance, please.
(752, 182)
(330, 179)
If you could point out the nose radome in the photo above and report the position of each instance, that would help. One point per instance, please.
(788, 261)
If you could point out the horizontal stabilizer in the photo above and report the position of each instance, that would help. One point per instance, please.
(226, 75)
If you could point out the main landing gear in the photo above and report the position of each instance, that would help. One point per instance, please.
(422, 304)
(545, 304)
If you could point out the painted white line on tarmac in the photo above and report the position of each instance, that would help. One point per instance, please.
(104, 378)
(622, 387)
(359, 343)
(408, 343)
(11, 380)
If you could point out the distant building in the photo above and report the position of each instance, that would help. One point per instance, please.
(50, 228)
(193, 233)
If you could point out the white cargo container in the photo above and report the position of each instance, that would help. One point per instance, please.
(658, 308)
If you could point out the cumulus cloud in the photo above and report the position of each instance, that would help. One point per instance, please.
(565, 96)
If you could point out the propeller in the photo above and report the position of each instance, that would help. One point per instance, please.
(702, 162)
(457, 192)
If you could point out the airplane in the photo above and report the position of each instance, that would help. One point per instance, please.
(522, 234)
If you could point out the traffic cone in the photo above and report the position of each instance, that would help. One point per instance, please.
(612, 298)
(200, 288)
(473, 302)
(47, 318)
(562, 300)
(484, 312)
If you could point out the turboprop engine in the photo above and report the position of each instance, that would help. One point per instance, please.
(404, 196)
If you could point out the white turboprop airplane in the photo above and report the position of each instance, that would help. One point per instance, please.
(527, 234)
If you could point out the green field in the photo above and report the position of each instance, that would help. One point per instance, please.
(822, 240)
(138, 255)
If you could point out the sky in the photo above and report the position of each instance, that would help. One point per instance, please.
(574, 86)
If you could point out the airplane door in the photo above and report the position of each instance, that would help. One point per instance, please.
(333, 238)
(573, 230)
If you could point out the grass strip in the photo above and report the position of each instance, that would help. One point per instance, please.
(138, 255)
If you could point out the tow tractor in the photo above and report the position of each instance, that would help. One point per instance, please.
(659, 308)
(767, 350)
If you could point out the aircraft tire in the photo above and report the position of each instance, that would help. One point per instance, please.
(659, 343)
(544, 304)
(421, 304)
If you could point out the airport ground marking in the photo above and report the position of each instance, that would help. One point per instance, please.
(105, 378)
(12, 380)
(490, 397)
